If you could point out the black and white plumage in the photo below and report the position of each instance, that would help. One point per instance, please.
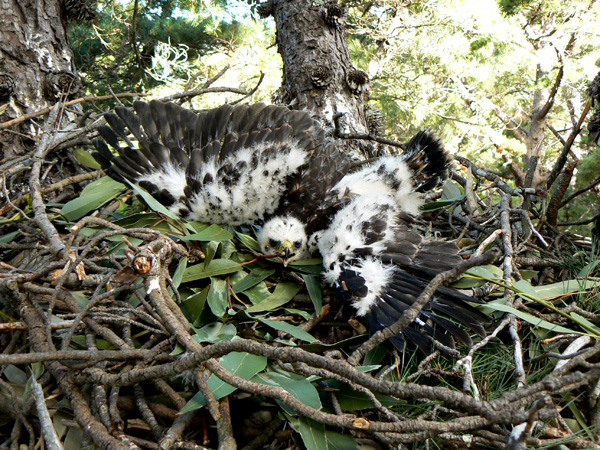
(229, 165)
(269, 166)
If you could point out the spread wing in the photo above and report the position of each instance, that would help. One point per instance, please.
(375, 256)
(232, 164)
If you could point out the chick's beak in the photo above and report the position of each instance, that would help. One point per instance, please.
(288, 254)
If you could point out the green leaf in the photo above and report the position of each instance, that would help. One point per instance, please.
(15, 375)
(351, 400)
(439, 204)
(215, 332)
(217, 297)
(216, 267)
(243, 365)
(286, 327)
(536, 321)
(467, 283)
(252, 279)
(154, 204)
(210, 250)
(561, 288)
(9, 237)
(210, 233)
(307, 262)
(84, 158)
(488, 272)
(451, 191)
(583, 320)
(248, 241)
(93, 196)
(283, 293)
(300, 388)
(312, 432)
(340, 441)
(178, 275)
(314, 291)
(193, 306)
(258, 293)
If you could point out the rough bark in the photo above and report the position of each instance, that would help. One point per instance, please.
(36, 65)
(318, 74)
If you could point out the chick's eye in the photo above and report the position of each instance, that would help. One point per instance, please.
(272, 243)
(297, 244)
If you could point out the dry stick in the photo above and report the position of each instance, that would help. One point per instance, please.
(562, 158)
(502, 410)
(195, 92)
(507, 269)
(210, 81)
(363, 136)
(175, 432)
(504, 187)
(104, 332)
(411, 313)
(555, 201)
(75, 355)
(577, 193)
(48, 431)
(37, 203)
(90, 98)
(520, 433)
(63, 377)
(252, 91)
(160, 253)
(222, 418)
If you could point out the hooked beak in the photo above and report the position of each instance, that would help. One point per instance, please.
(288, 254)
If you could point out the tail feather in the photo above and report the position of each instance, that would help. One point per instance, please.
(428, 160)
(132, 121)
(142, 110)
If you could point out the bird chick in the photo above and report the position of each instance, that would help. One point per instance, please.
(285, 235)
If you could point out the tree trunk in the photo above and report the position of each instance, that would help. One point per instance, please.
(318, 75)
(36, 67)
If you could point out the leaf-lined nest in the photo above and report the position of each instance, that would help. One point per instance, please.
(165, 321)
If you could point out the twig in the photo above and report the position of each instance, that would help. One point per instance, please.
(48, 431)
(364, 136)
(37, 203)
(562, 157)
(90, 98)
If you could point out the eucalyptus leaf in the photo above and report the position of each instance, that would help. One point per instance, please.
(215, 332)
(286, 327)
(241, 364)
(93, 196)
(252, 279)
(312, 432)
(302, 389)
(283, 293)
(210, 251)
(216, 267)
(488, 272)
(258, 293)
(314, 291)
(351, 400)
(217, 297)
(340, 441)
(193, 306)
(210, 233)
(248, 241)
(178, 275)
(84, 158)
(536, 321)
(154, 204)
